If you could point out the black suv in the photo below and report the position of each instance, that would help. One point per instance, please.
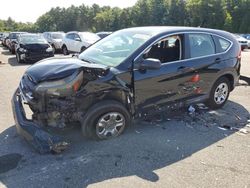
(131, 73)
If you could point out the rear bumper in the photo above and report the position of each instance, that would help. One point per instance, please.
(41, 140)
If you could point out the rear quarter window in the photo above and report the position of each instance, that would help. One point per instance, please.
(224, 44)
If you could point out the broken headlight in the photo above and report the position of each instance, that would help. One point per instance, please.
(63, 87)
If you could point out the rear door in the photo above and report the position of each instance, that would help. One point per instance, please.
(203, 56)
(181, 77)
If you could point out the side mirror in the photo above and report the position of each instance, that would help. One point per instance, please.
(150, 63)
(78, 39)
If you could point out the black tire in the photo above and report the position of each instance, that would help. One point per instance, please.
(97, 113)
(54, 48)
(18, 58)
(83, 48)
(211, 102)
(65, 50)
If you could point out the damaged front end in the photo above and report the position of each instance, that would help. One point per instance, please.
(51, 91)
(41, 140)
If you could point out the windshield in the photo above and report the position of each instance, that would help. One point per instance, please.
(14, 35)
(114, 49)
(32, 39)
(57, 35)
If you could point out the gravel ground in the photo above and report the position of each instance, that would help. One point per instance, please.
(179, 151)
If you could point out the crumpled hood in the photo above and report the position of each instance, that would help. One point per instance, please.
(58, 68)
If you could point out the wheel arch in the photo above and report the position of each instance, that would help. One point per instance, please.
(230, 78)
(119, 95)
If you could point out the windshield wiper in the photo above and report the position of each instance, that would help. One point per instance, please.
(88, 61)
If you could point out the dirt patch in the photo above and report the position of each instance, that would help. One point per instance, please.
(9, 162)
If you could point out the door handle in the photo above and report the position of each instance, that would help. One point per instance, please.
(217, 60)
(184, 69)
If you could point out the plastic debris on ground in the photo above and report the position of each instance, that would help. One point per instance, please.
(191, 109)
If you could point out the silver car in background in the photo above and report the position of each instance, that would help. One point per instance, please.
(242, 41)
(54, 39)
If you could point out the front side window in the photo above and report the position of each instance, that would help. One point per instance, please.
(166, 50)
(200, 45)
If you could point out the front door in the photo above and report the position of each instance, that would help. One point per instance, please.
(176, 80)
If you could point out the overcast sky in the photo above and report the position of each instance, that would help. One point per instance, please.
(30, 10)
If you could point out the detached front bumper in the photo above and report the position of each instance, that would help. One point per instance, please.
(41, 140)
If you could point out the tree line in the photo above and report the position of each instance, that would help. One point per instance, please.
(230, 15)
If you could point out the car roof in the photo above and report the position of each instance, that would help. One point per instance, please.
(78, 32)
(16, 32)
(51, 32)
(30, 34)
(176, 29)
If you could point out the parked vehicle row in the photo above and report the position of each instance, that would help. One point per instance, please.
(34, 47)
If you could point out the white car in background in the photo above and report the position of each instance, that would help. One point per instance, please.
(77, 42)
(242, 41)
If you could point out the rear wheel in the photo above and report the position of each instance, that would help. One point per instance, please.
(219, 93)
(65, 50)
(105, 120)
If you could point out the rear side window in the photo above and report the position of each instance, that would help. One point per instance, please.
(224, 44)
(200, 45)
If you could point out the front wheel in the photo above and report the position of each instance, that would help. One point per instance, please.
(105, 120)
(219, 93)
